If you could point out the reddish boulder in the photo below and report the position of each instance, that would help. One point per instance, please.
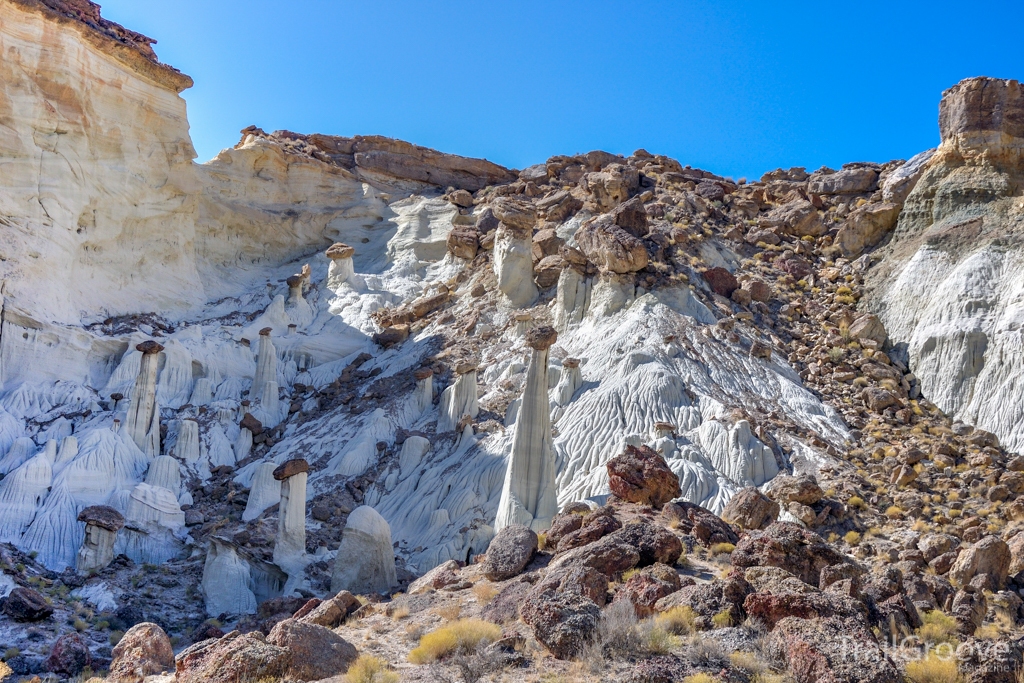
(576, 578)
(562, 622)
(771, 608)
(143, 651)
(25, 604)
(610, 247)
(721, 281)
(788, 546)
(235, 657)
(699, 522)
(509, 552)
(644, 588)
(463, 242)
(561, 526)
(332, 612)
(317, 652)
(750, 509)
(652, 542)
(595, 525)
(69, 656)
(832, 650)
(640, 475)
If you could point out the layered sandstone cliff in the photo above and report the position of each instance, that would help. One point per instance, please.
(949, 284)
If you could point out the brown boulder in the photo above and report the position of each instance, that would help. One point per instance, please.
(865, 227)
(69, 656)
(804, 490)
(610, 247)
(707, 600)
(750, 509)
(789, 546)
(759, 289)
(235, 657)
(640, 475)
(548, 270)
(510, 551)
(652, 542)
(985, 661)
(699, 522)
(798, 218)
(143, 651)
(855, 180)
(645, 587)
(771, 608)
(721, 281)
(515, 213)
(614, 184)
(24, 604)
(332, 612)
(102, 516)
(392, 335)
(868, 326)
(251, 423)
(576, 578)
(877, 399)
(594, 525)
(290, 468)
(562, 622)
(631, 216)
(990, 557)
(545, 243)
(317, 652)
(831, 650)
(425, 305)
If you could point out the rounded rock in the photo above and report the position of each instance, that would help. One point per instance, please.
(290, 468)
(541, 338)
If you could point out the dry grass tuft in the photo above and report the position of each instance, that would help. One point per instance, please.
(459, 636)
(933, 669)
(370, 669)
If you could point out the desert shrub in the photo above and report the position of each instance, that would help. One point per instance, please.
(370, 669)
(751, 662)
(400, 612)
(678, 620)
(449, 612)
(933, 669)
(484, 592)
(855, 502)
(937, 627)
(852, 537)
(463, 636)
(722, 548)
(722, 620)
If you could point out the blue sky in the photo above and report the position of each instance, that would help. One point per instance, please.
(735, 88)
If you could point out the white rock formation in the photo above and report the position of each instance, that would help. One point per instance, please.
(529, 495)
(513, 265)
(459, 399)
(290, 542)
(163, 472)
(101, 526)
(341, 270)
(227, 581)
(187, 447)
(143, 420)
(424, 394)
(366, 560)
(266, 365)
(264, 492)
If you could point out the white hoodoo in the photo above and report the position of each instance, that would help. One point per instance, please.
(143, 420)
(529, 494)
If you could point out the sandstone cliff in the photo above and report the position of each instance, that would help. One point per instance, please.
(949, 285)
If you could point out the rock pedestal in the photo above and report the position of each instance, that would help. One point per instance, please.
(143, 419)
(513, 265)
(227, 581)
(341, 268)
(290, 544)
(366, 559)
(101, 526)
(266, 365)
(265, 491)
(424, 394)
(528, 496)
(459, 399)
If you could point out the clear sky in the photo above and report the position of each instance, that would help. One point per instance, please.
(735, 88)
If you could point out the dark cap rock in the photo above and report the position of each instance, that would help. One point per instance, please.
(266, 331)
(102, 516)
(340, 250)
(422, 373)
(252, 424)
(290, 468)
(571, 363)
(294, 280)
(148, 347)
(540, 338)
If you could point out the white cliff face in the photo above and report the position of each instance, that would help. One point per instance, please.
(949, 285)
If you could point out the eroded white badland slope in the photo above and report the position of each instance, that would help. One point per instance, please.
(183, 344)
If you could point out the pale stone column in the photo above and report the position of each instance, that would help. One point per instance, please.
(366, 558)
(143, 419)
(459, 399)
(513, 265)
(266, 365)
(101, 526)
(529, 494)
(424, 394)
(290, 544)
(341, 269)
